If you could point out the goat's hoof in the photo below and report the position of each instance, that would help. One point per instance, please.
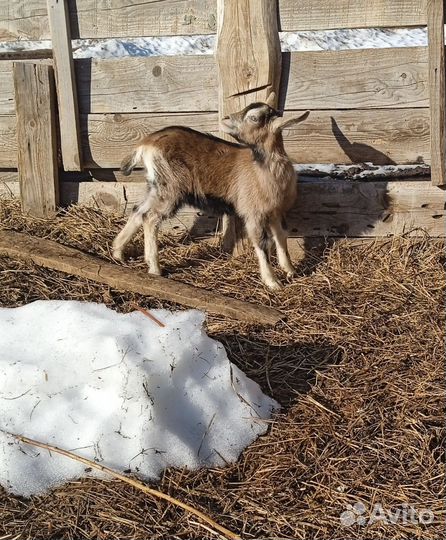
(274, 285)
(118, 255)
(155, 271)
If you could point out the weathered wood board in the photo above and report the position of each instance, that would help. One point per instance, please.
(351, 136)
(8, 141)
(65, 85)
(36, 137)
(437, 88)
(371, 78)
(108, 138)
(354, 79)
(50, 254)
(27, 19)
(325, 207)
(328, 14)
(155, 84)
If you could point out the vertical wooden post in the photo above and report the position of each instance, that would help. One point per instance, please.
(435, 19)
(65, 84)
(249, 66)
(36, 137)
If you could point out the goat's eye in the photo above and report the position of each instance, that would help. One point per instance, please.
(254, 118)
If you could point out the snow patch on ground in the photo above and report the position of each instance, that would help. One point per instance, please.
(120, 390)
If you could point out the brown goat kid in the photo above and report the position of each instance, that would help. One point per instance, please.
(254, 179)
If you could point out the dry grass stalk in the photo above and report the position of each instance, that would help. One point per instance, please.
(135, 483)
(358, 367)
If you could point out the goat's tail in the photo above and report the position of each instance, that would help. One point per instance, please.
(131, 161)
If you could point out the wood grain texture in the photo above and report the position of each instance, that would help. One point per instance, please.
(108, 138)
(324, 207)
(331, 14)
(65, 85)
(23, 19)
(249, 63)
(354, 79)
(436, 19)
(50, 254)
(353, 136)
(155, 84)
(27, 19)
(8, 141)
(7, 103)
(379, 136)
(36, 137)
(248, 53)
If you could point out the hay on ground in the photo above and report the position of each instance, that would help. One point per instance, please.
(358, 367)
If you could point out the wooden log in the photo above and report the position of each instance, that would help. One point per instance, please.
(65, 84)
(50, 254)
(249, 67)
(437, 76)
(36, 137)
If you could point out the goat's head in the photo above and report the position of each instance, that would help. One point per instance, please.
(257, 122)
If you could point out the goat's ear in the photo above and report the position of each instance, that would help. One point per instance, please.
(271, 99)
(280, 124)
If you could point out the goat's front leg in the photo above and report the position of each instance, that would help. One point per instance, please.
(258, 235)
(279, 235)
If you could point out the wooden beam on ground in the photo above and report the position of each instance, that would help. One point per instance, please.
(65, 84)
(249, 61)
(436, 19)
(50, 254)
(36, 137)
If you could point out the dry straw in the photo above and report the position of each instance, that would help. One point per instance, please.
(358, 367)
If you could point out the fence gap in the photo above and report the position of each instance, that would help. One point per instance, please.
(36, 137)
(66, 84)
(435, 19)
(248, 59)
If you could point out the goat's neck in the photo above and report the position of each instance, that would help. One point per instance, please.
(273, 152)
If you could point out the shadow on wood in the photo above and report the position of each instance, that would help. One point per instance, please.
(359, 152)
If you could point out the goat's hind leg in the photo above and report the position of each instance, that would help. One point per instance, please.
(134, 222)
(259, 238)
(280, 239)
(151, 222)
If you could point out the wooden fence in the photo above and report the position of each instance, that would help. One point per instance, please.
(385, 106)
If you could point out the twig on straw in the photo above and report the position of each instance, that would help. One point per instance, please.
(150, 316)
(138, 485)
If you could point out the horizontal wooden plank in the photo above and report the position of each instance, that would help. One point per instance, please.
(155, 84)
(23, 19)
(324, 207)
(354, 79)
(379, 136)
(7, 103)
(108, 138)
(331, 14)
(8, 141)
(27, 19)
